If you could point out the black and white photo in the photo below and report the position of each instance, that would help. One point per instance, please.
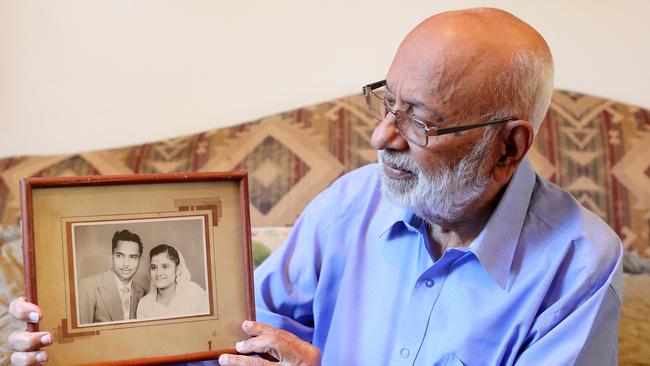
(139, 269)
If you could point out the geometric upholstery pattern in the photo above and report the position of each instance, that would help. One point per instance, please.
(593, 147)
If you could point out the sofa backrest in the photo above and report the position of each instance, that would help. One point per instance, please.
(593, 147)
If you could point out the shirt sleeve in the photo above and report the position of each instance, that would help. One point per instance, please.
(587, 336)
(286, 282)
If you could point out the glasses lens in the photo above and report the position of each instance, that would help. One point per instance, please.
(376, 106)
(410, 129)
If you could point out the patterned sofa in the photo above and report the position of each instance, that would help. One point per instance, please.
(594, 148)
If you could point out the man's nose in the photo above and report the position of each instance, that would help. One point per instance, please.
(386, 135)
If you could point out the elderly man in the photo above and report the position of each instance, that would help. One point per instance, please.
(451, 251)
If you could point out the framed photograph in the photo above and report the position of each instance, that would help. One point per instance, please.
(139, 269)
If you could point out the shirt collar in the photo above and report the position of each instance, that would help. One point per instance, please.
(496, 244)
(119, 283)
(397, 217)
(393, 215)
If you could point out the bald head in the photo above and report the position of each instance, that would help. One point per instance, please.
(476, 63)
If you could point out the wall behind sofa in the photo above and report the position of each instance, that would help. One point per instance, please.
(88, 74)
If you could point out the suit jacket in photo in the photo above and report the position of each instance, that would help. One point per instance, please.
(99, 299)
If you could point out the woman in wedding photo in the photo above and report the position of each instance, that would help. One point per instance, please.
(172, 292)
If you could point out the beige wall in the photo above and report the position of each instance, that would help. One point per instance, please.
(89, 74)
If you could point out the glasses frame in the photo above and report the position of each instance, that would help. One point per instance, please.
(368, 92)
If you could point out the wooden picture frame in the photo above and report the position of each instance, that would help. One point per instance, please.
(79, 249)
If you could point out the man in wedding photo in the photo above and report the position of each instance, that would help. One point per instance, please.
(113, 295)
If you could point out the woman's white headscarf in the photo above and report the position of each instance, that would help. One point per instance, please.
(182, 273)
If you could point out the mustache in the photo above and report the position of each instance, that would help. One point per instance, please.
(398, 160)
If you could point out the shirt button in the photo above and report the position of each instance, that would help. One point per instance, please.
(428, 282)
(405, 352)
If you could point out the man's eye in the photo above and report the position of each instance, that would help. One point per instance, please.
(428, 122)
(420, 122)
(153, 268)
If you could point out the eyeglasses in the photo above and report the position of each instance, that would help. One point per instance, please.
(410, 126)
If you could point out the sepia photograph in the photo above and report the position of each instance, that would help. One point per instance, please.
(143, 269)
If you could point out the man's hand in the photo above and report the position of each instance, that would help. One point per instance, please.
(288, 349)
(27, 344)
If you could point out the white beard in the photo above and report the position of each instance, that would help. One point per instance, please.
(445, 195)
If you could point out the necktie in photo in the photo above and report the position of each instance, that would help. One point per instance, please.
(126, 302)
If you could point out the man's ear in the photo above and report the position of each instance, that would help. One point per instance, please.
(515, 137)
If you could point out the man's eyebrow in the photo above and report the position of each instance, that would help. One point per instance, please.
(122, 253)
(431, 112)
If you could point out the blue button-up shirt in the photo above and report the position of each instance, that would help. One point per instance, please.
(540, 285)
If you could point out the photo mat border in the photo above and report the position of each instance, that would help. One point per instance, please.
(68, 223)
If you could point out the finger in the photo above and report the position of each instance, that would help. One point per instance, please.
(253, 328)
(273, 347)
(265, 343)
(21, 340)
(280, 344)
(25, 311)
(238, 360)
(266, 339)
(28, 358)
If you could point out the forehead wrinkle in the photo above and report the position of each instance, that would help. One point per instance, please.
(416, 103)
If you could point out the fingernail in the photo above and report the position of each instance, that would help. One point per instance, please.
(33, 317)
(46, 339)
(224, 359)
(239, 346)
(247, 323)
(41, 357)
